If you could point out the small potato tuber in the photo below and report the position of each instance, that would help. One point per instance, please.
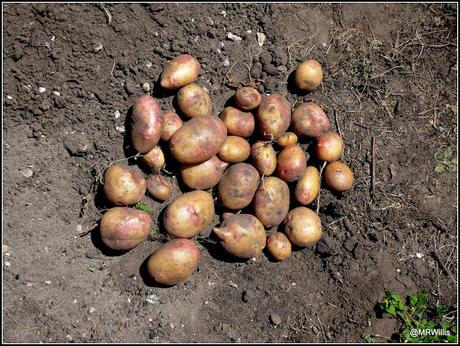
(194, 101)
(303, 227)
(171, 123)
(308, 75)
(329, 146)
(273, 116)
(291, 163)
(238, 123)
(179, 72)
(203, 176)
(308, 186)
(263, 158)
(309, 120)
(279, 246)
(155, 159)
(338, 176)
(124, 185)
(271, 201)
(235, 149)
(247, 98)
(286, 139)
(159, 187)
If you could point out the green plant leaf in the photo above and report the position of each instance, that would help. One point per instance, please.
(441, 310)
(143, 207)
(91, 268)
(439, 168)
(153, 232)
(452, 338)
(391, 310)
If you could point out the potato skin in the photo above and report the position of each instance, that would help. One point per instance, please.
(189, 214)
(329, 146)
(238, 123)
(146, 124)
(179, 72)
(124, 228)
(308, 186)
(159, 187)
(198, 139)
(247, 98)
(308, 75)
(171, 123)
(271, 201)
(303, 227)
(155, 158)
(291, 163)
(338, 176)
(286, 139)
(263, 158)
(273, 116)
(174, 262)
(309, 120)
(279, 246)
(203, 176)
(194, 101)
(242, 235)
(238, 185)
(124, 185)
(235, 149)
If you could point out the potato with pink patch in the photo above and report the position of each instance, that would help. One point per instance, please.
(273, 116)
(263, 158)
(309, 120)
(291, 163)
(146, 124)
(179, 72)
(271, 201)
(247, 98)
(308, 186)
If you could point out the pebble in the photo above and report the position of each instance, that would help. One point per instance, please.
(120, 129)
(226, 62)
(57, 93)
(260, 38)
(275, 318)
(48, 282)
(98, 47)
(234, 37)
(117, 114)
(41, 90)
(77, 144)
(7, 264)
(149, 64)
(91, 309)
(152, 299)
(79, 228)
(27, 172)
(5, 248)
(146, 87)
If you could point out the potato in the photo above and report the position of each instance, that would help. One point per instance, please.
(124, 228)
(203, 176)
(308, 75)
(263, 158)
(194, 101)
(271, 201)
(171, 123)
(179, 72)
(338, 176)
(174, 262)
(247, 98)
(159, 187)
(124, 185)
(238, 185)
(273, 116)
(279, 246)
(155, 159)
(286, 139)
(242, 236)
(235, 149)
(198, 139)
(189, 214)
(309, 120)
(329, 146)
(146, 124)
(291, 163)
(303, 227)
(308, 186)
(238, 123)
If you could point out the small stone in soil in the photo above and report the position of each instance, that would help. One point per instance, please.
(7, 264)
(146, 87)
(5, 248)
(27, 172)
(41, 90)
(48, 282)
(275, 318)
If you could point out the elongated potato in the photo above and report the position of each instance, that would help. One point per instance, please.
(179, 72)
(279, 246)
(247, 98)
(238, 185)
(124, 228)
(273, 116)
(291, 163)
(203, 176)
(146, 124)
(271, 201)
(303, 227)
(235, 149)
(309, 120)
(263, 158)
(189, 214)
(238, 123)
(308, 186)
(194, 101)
(155, 158)
(171, 123)
(124, 185)
(198, 139)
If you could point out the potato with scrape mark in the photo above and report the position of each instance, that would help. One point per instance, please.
(124, 185)
(194, 101)
(203, 176)
(179, 72)
(271, 201)
(273, 116)
(146, 124)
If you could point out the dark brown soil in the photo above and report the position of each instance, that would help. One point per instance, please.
(390, 79)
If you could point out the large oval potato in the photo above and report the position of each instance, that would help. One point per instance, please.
(235, 149)
(271, 201)
(303, 227)
(203, 176)
(273, 116)
(238, 123)
(124, 185)
(198, 139)
(179, 72)
(146, 124)
(238, 185)
(194, 101)
(124, 228)
(189, 214)
(263, 158)
(309, 120)
(308, 186)
(291, 163)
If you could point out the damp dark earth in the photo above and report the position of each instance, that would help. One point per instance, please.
(72, 71)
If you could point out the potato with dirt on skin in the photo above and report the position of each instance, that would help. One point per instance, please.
(174, 261)
(235, 149)
(171, 123)
(242, 235)
(189, 214)
(179, 72)
(271, 201)
(159, 187)
(146, 124)
(273, 116)
(198, 139)
(309, 120)
(155, 158)
(238, 185)
(124, 228)
(291, 163)
(287, 138)
(203, 176)
(247, 98)
(308, 186)
(308, 75)
(279, 246)
(302, 227)
(194, 101)
(338, 177)
(238, 123)
(263, 158)
(124, 185)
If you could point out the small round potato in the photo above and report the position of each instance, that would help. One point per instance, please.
(238, 123)
(308, 186)
(247, 98)
(309, 120)
(273, 116)
(155, 159)
(291, 163)
(180, 71)
(279, 246)
(263, 158)
(124, 185)
(159, 187)
(308, 75)
(235, 149)
(303, 227)
(194, 101)
(286, 139)
(338, 176)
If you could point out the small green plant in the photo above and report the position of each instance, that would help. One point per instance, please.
(153, 233)
(444, 160)
(91, 268)
(143, 207)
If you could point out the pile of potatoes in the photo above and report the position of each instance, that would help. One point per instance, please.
(248, 157)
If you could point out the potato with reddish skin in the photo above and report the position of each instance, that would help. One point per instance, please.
(329, 146)
(271, 201)
(159, 187)
(174, 262)
(308, 75)
(263, 158)
(155, 158)
(146, 124)
(124, 185)
(238, 123)
(286, 139)
(338, 176)
(198, 139)
(242, 236)
(273, 116)
(303, 227)
(203, 176)
(124, 228)
(291, 163)
(309, 120)
(171, 123)
(235, 149)
(238, 185)
(279, 246)
(179, 72)
(189, 214)
(247, 98)
(194, 101)
(308, 186)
